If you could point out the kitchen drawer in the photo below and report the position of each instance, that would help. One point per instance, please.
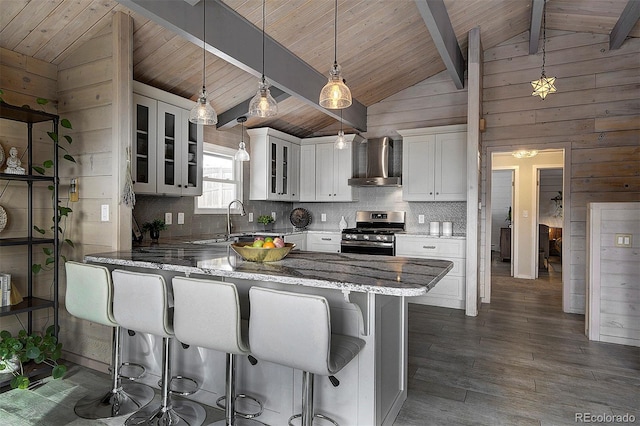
(434, 248)
(324, 242)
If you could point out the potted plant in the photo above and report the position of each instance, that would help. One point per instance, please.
(154, 228)
(15, 351)
(266, 220)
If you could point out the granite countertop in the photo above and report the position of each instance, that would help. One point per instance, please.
(396, 276)
(427, 234)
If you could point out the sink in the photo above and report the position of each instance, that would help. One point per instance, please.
(233, 238)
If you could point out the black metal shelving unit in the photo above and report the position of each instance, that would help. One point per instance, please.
(31, 303)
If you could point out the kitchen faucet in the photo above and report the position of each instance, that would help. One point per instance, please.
(242, 213)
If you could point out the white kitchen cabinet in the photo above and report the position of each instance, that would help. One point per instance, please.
(167, 148)
(434, 163)
(275, 165)
(300, 240)
(449, 292)
(328, 242)
(331, 171)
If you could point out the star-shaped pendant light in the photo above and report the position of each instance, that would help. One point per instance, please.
(544, 85)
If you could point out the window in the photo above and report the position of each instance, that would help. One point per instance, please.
(221, 180)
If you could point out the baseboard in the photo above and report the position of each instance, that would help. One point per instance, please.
(86, 362)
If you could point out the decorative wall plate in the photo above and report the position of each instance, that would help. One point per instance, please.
(300, 218)
(3, 218)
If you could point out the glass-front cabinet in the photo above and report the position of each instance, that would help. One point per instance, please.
(167, 148)
(275, 173)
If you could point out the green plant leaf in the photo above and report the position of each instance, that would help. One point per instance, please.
(20, 382)
(53, 136)
(33, 352)
(4, 334)
(70, 158)
(38, 169)
(64, 258)
(58, 371)
(22, 333)
(50, 188)
(65, 123)
(42, 101)
(50, 331)
(68, 241)
(39, 230)
(48, 164)
(35, 268)
(40, 358)
(49, 261)
(64, 211)
(47, 251)
(68, 138)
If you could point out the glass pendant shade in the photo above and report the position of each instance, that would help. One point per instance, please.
(242, 154)
(525, 153)
(263, 104)
(543, 86)
(340, 143)
(335, 94)
(202, 112)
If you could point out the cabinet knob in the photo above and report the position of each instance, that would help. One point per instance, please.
(429, 247)
(431, 193)
(325, 239)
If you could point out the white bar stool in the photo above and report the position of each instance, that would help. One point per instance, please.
(141, 302)
(207, 315)
(294, 330)
(89, 296)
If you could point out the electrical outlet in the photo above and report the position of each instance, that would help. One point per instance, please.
(323, 217)
(104, 213)
(167, 219)
(420, 218)
(623, 240)
(180, 218)
(273, 215)
(251, 217)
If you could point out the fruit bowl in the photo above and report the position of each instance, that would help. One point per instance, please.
(259, 254)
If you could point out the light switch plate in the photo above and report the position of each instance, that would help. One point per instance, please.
(104, 213)
(168, 219)
(624, 240)
(323, 217)
(273, 215)
(251, 217)
(180, 218)
(420, 218)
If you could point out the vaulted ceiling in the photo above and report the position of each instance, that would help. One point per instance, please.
(384, 46)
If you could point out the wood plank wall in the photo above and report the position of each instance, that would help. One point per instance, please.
(596, 110)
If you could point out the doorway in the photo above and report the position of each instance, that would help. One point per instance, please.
(525, 215)
(550, 221)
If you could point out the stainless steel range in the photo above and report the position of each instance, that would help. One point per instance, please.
(374, 233)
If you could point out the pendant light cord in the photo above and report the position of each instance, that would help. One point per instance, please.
(263, 14)
(335, 36)
(544, 34)
(204, 42)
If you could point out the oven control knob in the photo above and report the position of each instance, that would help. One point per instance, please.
(379, 237)
(365, 237)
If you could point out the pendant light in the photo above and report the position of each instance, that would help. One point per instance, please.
(242, 154)
(340, 142)
(263, 104)
(335, 94)
(544, 85)
(203, 112)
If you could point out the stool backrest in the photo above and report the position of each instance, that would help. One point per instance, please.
(207, 314)
(290, 329)
(89, 293)
(140, 302)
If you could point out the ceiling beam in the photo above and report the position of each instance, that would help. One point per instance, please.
(234, 39)
(625, 24)
(227, 119)
(435, 16)
(537, 10)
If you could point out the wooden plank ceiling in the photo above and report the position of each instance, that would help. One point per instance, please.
(383, 45)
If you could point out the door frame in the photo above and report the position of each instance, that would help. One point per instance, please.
(566, 219)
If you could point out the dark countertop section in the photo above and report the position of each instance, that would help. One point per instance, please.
(396, 276)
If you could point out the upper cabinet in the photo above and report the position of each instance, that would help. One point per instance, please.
(167, 148)
(325, 171)
(434, 163)
(275, 165)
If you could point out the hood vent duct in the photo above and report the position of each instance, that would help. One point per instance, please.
(378, 165)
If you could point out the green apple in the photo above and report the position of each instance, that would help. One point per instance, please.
(268, 239)
(257, 243)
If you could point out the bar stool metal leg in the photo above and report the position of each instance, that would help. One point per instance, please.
(121, 399)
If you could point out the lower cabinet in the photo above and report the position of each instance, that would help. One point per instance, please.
(300, 240)
(450, 291)
(328, 242)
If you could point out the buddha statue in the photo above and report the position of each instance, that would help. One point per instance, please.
(14, 163)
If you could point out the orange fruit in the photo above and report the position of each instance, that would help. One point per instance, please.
(268, 244)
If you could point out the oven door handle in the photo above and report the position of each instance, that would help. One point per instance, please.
(352, 243)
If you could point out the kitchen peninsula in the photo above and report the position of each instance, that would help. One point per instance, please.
(366, 293)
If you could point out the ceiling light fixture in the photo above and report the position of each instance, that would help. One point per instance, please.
(525, 153)
(263, 104)
(335, 94)
(203, 112)
(340, 143)
(242, 154)
(544, 85)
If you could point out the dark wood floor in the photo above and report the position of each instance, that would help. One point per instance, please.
(521, 361)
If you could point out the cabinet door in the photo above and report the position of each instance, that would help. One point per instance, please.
(191, 165)
(451, 167)
(279, 169)
(417, 163)
(342, 171)
(143, 157)
(294, 172)
(169, 152)
(324, 172)
(308, 173)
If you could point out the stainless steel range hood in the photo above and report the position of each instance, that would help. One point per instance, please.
(378, 165)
